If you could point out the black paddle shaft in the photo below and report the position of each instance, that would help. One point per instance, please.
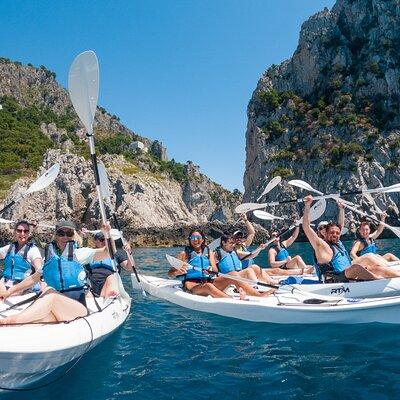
(9, 205)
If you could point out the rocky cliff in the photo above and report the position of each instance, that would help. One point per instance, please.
(330, 115)
(151, 194)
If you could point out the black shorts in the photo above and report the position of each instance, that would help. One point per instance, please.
(78, 295)
(199, 281)
(332, 277)
(97, 278)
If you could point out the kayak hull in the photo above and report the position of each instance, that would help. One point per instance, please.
(282, 308)
(377, 288)
(29, 353)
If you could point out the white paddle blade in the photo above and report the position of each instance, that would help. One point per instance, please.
(246, 207)
(174, 262)
(303, 185)
(272, 183)
(317, 210)
(265, 215)
(394, 229)
(44, 180)
(344, 230)
(214, 244)
(388, 189)
(83, 87)
(6, 221)
(104, 183)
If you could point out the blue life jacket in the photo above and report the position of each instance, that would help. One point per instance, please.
(106, 263)
(16, 266)
(63, 273)
(246, 262)
(339, 262)
(368, 247)
(281, 254)
(228, 262)
(199, 261)
(316, 268)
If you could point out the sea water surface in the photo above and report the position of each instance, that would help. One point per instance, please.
(167, 352)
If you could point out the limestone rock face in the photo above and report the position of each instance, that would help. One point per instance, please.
(142, 200)
(330, 115)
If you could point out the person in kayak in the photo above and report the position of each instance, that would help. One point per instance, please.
(366, 243)
(21, 259)
(279, 257)
(228, 262)
(63, 294)
(101, 272)
(333, 260)
(198, 281)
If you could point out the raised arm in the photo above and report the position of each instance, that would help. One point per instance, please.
(341, 214)
(322, 250)
(289, 241)
(380, 228)
(250, 231)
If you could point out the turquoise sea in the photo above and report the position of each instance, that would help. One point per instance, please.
(168, 352)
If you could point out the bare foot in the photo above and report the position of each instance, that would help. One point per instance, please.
(242, 294)
(269, 292)
(8, 321)
(308, 270)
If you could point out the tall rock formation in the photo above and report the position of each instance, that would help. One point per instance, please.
(330, 115)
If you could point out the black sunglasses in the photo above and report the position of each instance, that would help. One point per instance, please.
(62, 233)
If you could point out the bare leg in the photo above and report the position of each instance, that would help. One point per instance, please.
(222, 283)
(109, 289)
(205, 289)
(51, 306)
(390, 257)
(280, 271)
(383, 272)
(261, 274)
(296, 262)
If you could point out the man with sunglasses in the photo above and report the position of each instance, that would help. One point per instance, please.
(21, 259)
(334, 261)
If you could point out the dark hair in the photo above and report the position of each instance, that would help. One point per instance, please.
(225, 237)
(202, 235)
(22, 222)
(364, 223)
(331, 224)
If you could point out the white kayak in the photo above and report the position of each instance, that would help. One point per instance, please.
(30, 352)
(283, 307)
(377, 288)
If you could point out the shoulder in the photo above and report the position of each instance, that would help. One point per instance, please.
(121, 255)
(4, 249)
(34, 252)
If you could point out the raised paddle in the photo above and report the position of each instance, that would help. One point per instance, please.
(245, 207)
(176, 263)
(271, 184)
(83, 87)
(351, 206)
(42, 182)
(105, 190)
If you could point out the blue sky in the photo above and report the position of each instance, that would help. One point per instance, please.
(178, 71)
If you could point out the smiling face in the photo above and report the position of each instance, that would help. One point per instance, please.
(364, 231)
(21, 234)
(333, 234)
(322, 231)
(196, 239)
(63, 236)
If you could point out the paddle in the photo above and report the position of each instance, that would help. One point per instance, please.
(316, 211)
(246, 207)
(266, 216)
(42, 182)
(176, 263)
(83, 87)
(105, 190)
(349, 205)
(272, 183)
